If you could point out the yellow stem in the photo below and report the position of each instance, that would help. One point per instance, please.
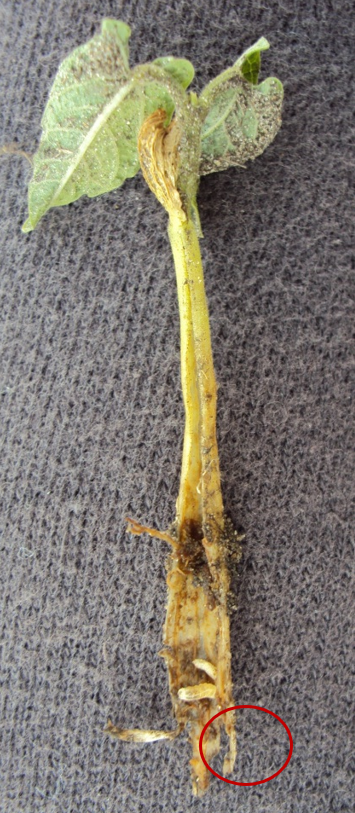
(200, 498)
(196, 630)
(200, 469)
(188, 506)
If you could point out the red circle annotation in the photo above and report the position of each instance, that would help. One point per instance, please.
(260, 781)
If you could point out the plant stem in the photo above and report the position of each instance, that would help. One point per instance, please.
(200, 495)
(188, 506)
(196, 631)
(197, 624)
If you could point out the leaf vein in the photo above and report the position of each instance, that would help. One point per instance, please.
(99, 122)
(221, 119)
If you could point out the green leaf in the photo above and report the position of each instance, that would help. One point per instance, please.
(121, 32)
(249, 62)
(251, 67)
(242, 117)
(91, 122)
(180, 69)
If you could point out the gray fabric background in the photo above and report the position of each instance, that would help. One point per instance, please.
(92, 423)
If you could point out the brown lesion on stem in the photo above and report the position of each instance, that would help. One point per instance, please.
(158, 154)
(196, 632)
(196, 638)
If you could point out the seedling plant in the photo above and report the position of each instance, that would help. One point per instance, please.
(103, 122)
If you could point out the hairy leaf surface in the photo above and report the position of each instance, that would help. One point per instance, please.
(92, 119)
(180, 69)
(243, 117)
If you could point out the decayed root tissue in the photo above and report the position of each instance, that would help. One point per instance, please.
(196, 644)
(196, 632)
